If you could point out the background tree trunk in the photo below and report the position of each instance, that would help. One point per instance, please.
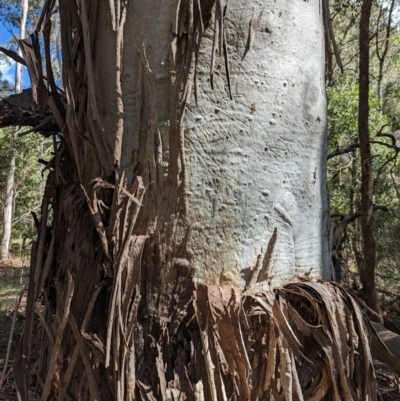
(8, 207)
(368, 268)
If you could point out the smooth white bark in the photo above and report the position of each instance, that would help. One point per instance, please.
(8, 209)
(255, 164)
(18, 66)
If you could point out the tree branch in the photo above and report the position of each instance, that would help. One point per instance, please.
(349, 219)
(21, 110)
(350, 148)
(13, 55)
(342, 151)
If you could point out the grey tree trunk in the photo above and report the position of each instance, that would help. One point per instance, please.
(246, 160)
(9, 200)
(190, 181)
(8, 207)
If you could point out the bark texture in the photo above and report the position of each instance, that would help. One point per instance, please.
(230, 132)
(190, 181)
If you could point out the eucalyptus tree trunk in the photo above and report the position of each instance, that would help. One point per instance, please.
(8, 207)
(229, 130)
(190, 179)
(9, 199)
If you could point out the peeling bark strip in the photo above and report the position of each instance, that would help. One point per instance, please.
(192, 157)
(303, 341)
(151, 197)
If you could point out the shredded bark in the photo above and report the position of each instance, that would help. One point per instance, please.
(123, 317)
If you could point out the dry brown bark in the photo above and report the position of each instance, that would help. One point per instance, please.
(368, 268)
(387, 349)
(125, 316)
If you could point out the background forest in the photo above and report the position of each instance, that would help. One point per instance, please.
(344, 165)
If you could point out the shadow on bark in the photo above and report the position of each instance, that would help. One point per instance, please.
(119, 322)
(121, 314)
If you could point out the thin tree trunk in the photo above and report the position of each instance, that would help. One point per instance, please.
(368, 269)
(58, 44)
(8, 207)
(18, 66)
(9, 201)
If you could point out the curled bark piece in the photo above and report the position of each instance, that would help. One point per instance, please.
(386, 347)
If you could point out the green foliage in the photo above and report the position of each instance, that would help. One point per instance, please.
(344, 170)
(387, 232)
(29, 182)
(391, 90)
(342, 111)
(11, 13)
(5, 86)
(350, 8)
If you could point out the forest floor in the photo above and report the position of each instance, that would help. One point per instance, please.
(14, 278)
